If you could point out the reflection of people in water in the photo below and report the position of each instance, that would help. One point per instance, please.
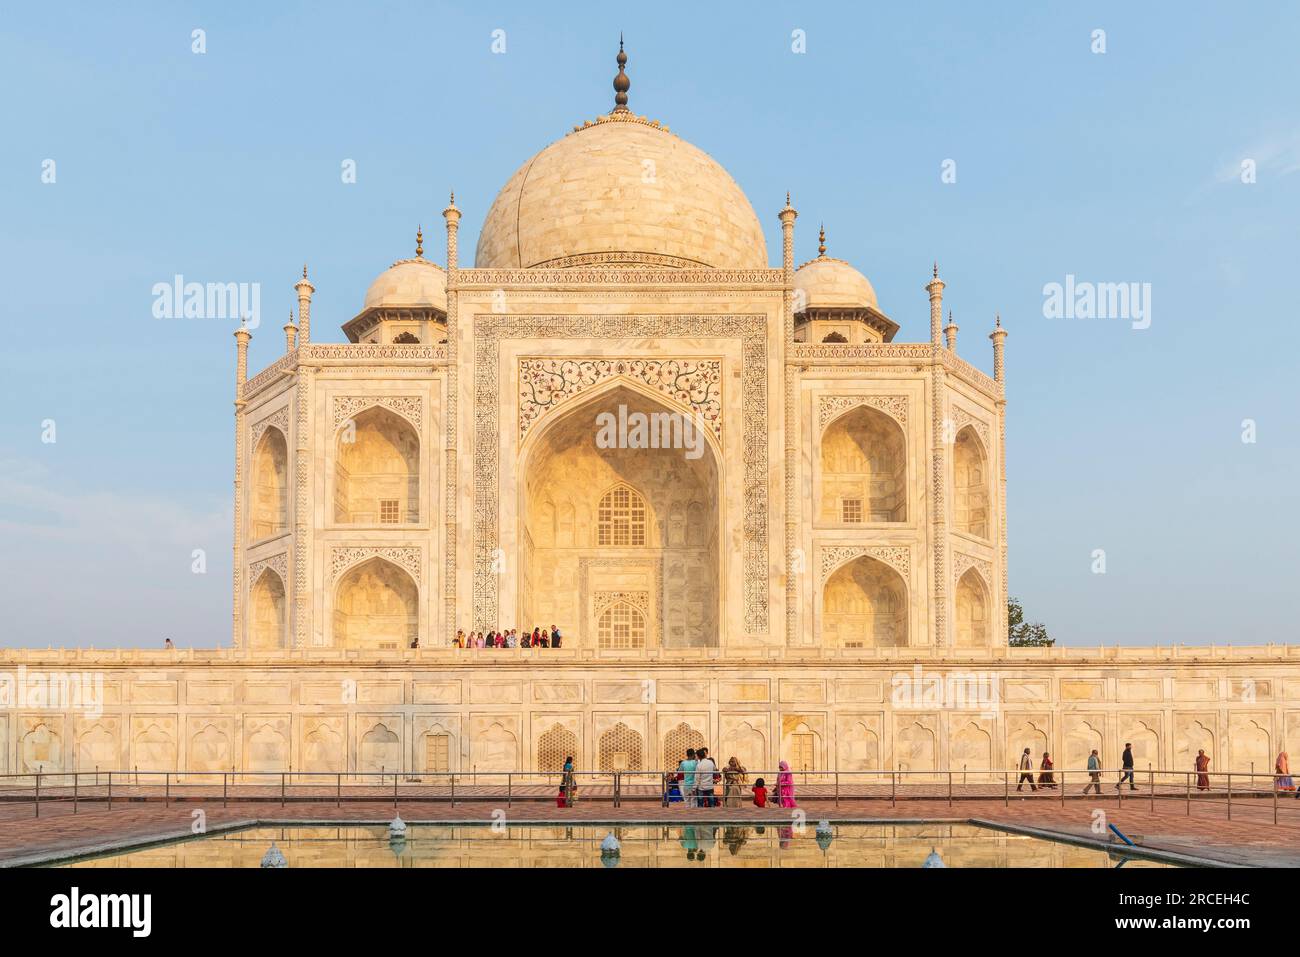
(785, 835)
(689, 842)
(735, 838)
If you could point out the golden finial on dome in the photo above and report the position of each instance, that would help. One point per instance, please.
(621, 83)
(419, 241)
(821, 242)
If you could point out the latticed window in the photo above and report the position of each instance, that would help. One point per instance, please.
(677, 741)
(851, 510)
(620, 519)
(620, 749)
(389, 511)
(621, 626)
(554, 746)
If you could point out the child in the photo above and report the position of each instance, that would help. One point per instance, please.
(760, 793)
(674, 795)
(559, 798)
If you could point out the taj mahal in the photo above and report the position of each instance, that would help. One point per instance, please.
(838, 521)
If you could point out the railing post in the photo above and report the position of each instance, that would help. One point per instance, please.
(1062, 785)
(453, 789)
(1151, 785)
(950, 788)
(281, 789)
(167, 789)
(338, 788)
(1274, 798)
(110, 790)
(75, 775)
(837, 788)
(38, 791)
(1006, 790)
(396, 775)
(225, 797)
(1229, 795)
(893, 788)
(1189, 792)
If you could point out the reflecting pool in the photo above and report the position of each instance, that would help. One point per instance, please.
(642, 845)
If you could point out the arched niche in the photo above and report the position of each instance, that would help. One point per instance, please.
(270, 511)
(864, 605)
(608, 510)
(974, 612)
(863, 469)
(377, 470)
(376, 605)
(267, 627)
(970, 485)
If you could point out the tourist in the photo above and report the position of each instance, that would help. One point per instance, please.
(1026, 772)
(569, 783)
(167, 644)
(1094, 772)
(785, 785)
(687, 770)
(733, 782)
(478, 640)
(459, 640)
(555, 636)
(705, 771)
(1283, 770)
(1127, 763)
(500, 639)
(1046, 779)
(525, 641)
(672, 793)
(1202, 771)
(512, 640)
(760, 793)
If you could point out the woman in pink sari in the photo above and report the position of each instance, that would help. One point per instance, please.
(785, 786)
(1283, 771)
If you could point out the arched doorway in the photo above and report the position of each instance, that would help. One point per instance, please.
(620, 527)
(377, 470)
(863, 469)
(376, 605)
(970, 485)
(267, 625)
(973, 619)
(864, 605)
(270, 511)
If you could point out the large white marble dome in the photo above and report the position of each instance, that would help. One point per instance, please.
(621, 190)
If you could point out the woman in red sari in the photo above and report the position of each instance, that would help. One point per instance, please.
(1202, 766)
(1046, 779)
(1283, 771)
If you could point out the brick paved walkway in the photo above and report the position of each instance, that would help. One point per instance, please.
(1206, 833)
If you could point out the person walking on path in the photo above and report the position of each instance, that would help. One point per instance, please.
(1127, 769)
(1094, 772)
(1202, 771)
(1026, 772)
(569, 782)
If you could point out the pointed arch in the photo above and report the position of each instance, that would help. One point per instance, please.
(377, 469)
(621, 625)
(974, 611)
(376, 605)
(621, 517)
(970, 484)
(863, 468)
(268, 623)
(864, 605)
(269, 514)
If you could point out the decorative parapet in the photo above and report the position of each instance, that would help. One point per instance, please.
(831, 353)
(369, 350)
(271, 373)
(636, 277)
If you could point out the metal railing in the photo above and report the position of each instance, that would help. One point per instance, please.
(112, 788)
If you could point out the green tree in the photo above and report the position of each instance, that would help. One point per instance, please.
(1024, 634)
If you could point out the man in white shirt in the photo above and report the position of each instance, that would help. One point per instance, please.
(705, 768)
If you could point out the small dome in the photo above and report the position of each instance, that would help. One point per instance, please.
(833, 284)
(621, 190)
(409, 284)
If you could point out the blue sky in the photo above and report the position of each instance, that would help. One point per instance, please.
(1114, 167)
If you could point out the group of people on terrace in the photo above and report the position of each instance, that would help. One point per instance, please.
(696, 783)
(539, 637)
(1047, 773)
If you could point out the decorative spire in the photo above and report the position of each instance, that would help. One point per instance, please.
(304, 270)
(419, 241)
(821, 242)
(621, 83)
(936, 269)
